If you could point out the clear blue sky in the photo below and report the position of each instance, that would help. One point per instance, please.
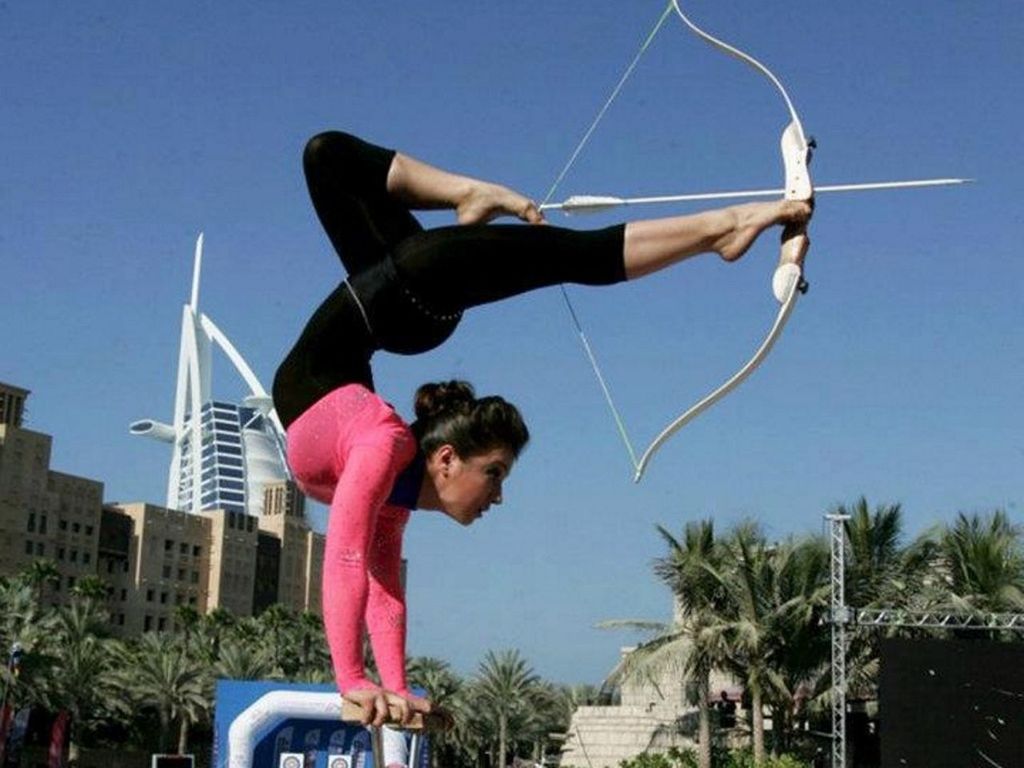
(129, 127)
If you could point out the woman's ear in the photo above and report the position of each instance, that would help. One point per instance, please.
(447, 456)
(443, 458)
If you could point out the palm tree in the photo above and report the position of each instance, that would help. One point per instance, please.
(212, 629)
(880, 572)
(80, 678)
(22, 621)
(747, 580)
(186, 621)
(984, 562)
(241, 660)
(158, 672)
(505, 686)
(41, 572)
(774, 595)
(692, 645)
(689, 570)
(91, 587)
(274, 625)
(875, 573)
(800, 650)
(442, 686)
(314, 661)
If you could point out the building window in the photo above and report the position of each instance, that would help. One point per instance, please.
(74, 556)
(71, 582)
(192, 600)
(76, 527)
(120, 619)
(42, 523)
(124, 595)
(148, 624)
(168, 545)
(86, 557)
(88, 530)
(40, 550)
(149, 595)
(31, 527)
(126, 566)
(167, 572)
(28, 547)
(195, 550)
(195, 577)
(163, 598)
(161, 624)
(110, 566)
(183, 548)
(60, 553)
(62, 524)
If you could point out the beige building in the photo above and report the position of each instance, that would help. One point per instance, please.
(301, 550)
(152, 559)
(43, 514)
(652, 716)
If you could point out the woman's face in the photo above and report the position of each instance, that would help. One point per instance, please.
(467, 487)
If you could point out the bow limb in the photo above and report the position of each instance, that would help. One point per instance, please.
(787, 282)
(734, 381)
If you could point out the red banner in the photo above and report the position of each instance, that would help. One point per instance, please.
(58, 736)
(5, 721)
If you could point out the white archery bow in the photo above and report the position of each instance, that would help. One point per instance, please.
(787, 282)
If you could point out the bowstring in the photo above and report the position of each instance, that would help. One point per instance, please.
(616, 415)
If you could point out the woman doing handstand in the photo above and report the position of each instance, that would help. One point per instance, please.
(406, 290)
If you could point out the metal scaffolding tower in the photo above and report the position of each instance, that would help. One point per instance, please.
(842, 616)
(839, 618)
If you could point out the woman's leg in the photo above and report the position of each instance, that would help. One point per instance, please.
(654, 244)
(423, 186)
(334, 349)
(347, 180)
(453, 268)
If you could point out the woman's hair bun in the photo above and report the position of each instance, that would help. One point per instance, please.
(438, 397)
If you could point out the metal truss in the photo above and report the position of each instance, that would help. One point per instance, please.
(898, 617)
(842, 616)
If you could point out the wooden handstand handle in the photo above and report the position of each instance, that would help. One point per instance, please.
(352, 712)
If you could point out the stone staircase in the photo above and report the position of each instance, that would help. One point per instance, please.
(601, 737)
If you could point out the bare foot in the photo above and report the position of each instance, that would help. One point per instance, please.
(751, 219)
(484, 201)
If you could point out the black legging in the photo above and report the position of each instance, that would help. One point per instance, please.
(408, 286)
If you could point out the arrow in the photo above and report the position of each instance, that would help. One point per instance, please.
(595, 203)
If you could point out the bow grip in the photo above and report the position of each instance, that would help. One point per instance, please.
(796, 154)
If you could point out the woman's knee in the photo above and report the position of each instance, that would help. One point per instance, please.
(337, 150)
(324, 149)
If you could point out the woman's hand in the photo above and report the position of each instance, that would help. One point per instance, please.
(484, 201)
(380, 706)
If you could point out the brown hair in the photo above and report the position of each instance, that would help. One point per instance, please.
(450, 412)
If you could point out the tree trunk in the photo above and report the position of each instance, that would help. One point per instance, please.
(703, 721)
(165, 726)
(757, 727)
(502, 739)
(183, 736)
(73, 741)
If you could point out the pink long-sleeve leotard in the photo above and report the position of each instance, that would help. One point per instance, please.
(347, 450)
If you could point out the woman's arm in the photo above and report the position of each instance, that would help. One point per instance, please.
(363, 487)
(420, 185)
(385, 609)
